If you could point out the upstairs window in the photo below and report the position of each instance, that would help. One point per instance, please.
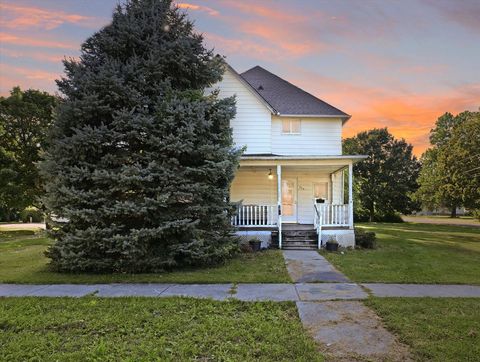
(291, 126)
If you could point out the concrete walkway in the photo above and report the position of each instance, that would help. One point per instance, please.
(349, 331)
(308, 266)
(344, 330)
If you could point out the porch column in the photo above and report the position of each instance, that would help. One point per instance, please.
(279, 204)
(350, 195)
(332, 180)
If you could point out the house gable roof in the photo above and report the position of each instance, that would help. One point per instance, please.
(287, 99)
(250, 88)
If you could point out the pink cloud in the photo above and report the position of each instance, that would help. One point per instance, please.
(35, 55)
(26, 78)
(241, 46)
(294, 43)
(272, 12)
(206, 9)
(30, 73)
(283, 30)
(35, 42)
(22, 17)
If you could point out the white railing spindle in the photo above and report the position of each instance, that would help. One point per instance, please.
(255, 216)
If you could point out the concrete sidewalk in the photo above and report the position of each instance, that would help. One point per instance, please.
(247, 292)
(244, 292)
(423, 290)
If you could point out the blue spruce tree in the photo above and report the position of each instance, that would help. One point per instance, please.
(141, 160)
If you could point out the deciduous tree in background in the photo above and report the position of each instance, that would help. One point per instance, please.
(385, 181)
(449, 176)
(25, 117)
(463, 160)
(142, 160)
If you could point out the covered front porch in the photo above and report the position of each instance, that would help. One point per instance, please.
(282, 193)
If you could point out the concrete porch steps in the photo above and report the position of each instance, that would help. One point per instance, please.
(286, 246)
(296, 239)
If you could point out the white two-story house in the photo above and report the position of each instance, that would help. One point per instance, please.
(294, 185)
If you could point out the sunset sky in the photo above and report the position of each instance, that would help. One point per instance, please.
(399, 64)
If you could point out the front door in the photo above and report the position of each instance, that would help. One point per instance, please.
(289, 200)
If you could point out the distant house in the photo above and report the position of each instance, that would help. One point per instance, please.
(290, 184)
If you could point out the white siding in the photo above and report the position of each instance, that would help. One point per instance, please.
(318, 136)
(253, 187)
(252, 124)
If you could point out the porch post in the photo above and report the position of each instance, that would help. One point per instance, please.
(279, 204)
(332, 180)
(350, 195)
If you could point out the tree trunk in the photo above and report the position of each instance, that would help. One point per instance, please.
(453, 212)
(372, 212)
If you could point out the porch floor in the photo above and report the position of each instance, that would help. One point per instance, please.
(296, 227)
(290, 226)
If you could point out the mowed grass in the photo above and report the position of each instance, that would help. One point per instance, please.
(22, 260)
(148, 329)
(437, 329)
(415, 253)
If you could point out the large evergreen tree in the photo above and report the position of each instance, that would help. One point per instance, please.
(142, 160)
(384, 182)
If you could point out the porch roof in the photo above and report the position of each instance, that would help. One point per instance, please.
(300, 160)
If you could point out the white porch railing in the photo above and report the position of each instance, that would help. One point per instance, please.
(328, 215)
(332, 215)
(256, 216)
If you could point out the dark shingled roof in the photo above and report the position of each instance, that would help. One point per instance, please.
(285, 98)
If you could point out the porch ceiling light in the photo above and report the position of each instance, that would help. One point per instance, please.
(270, 174)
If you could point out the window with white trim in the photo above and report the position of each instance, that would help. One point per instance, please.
(291, 126)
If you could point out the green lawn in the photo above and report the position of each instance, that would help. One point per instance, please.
(22, 261)
(173, 329)
(415, 253)
(437, 329)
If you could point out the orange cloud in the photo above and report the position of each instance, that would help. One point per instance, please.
(407, 115)
(206, 9)
(6, 38)
(22, 17)
(411, 116)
